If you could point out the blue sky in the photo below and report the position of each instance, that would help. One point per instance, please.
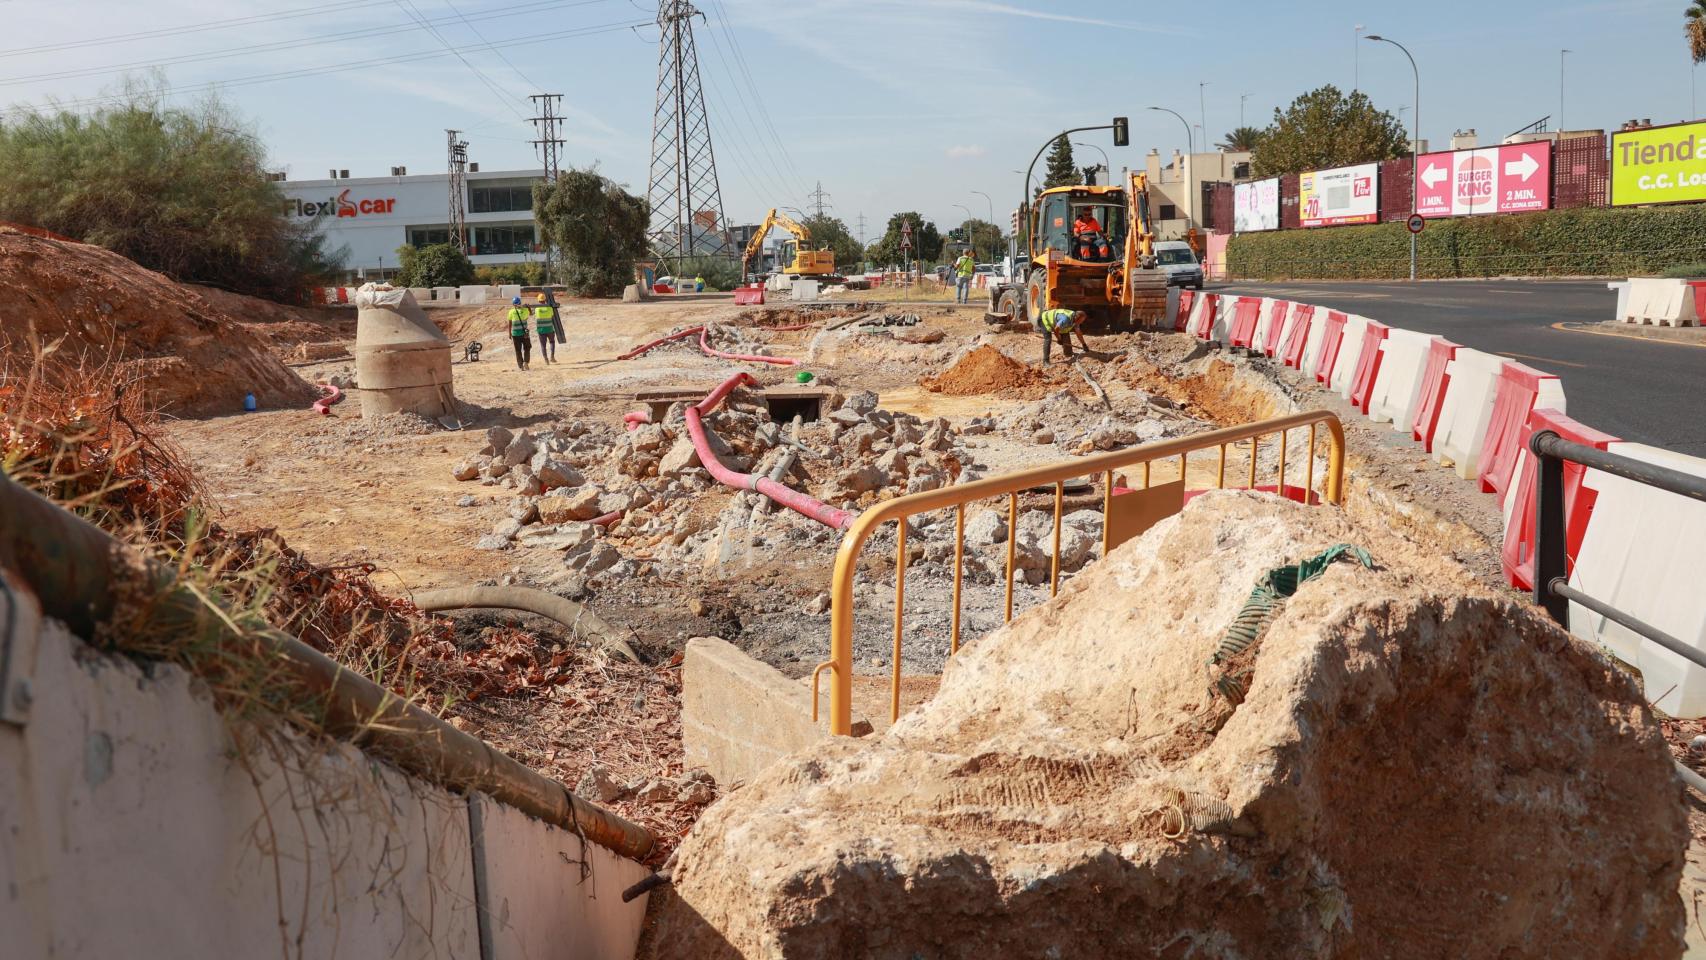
(891, 104)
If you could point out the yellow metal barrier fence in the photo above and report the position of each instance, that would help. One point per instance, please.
(1123, 517)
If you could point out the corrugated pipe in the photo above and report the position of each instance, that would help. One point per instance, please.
(634, 419)
(331, 395)
(803, 504)
(748, 357)
(678, 335)
(76, 569)
(581, 622)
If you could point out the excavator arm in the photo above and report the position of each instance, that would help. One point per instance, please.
(755, 246)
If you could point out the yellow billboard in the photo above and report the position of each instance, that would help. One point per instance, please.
(1658, 165)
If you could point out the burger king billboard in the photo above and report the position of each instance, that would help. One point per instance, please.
(1658, 165)
(1514, 178)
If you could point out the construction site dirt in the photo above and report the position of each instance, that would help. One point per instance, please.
(578, 477)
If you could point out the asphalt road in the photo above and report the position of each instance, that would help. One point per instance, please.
(1647, 391)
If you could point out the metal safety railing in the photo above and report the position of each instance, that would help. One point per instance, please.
(1125, 514)
(1552, 588)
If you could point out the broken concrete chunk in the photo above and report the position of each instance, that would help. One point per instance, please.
(497, 441)
(467, 500)
(524, 509)
(554, 475)
(1043, 436)
(986, 527)
(614, 503)
(680, 458)
(507, 528)
(598, 784)
(1148, 430)
(819, 605)
(593, 557)
(857, 480)
(492, 541)
(467, 470)
(893, 465)
(558, 508)
(521, 449)
(863, 403)
(846, 418)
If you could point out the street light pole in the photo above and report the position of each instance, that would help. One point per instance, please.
(1561, 54)
(991, 204)
(1106, 164)
(1190, 144)
(1202, 110)
(1415, 139)
(969, 218)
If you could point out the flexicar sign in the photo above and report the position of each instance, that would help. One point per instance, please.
(1658, 165)
(342, 206)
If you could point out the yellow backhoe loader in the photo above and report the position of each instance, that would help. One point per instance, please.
(795, 257)
(1091, 249)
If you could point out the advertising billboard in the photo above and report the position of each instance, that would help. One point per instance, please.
(1256, 206)
(1329, 198)
(1658, 165)
(1510, 179)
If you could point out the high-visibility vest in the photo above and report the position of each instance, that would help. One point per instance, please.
(1083, 225)
(1058, 317)
(545, 319)
(518, 321)
(965, 266)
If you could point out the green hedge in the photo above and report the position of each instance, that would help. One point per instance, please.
(1591, 242)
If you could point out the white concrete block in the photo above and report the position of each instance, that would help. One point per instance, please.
(421, 294)
(1466, 410)
(508, 292)
(1343, 378)
(445, 293)
(805, 289)
(1641, 554)
(1663, 302)
(1622, 289)
(473, 295)
(1398, 383)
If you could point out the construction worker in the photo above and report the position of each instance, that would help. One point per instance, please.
(1086, 222)
(1060, 323)
(518, 333)
(545, 323)
(551, 301)
(964, 267)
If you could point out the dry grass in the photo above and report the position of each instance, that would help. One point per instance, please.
(78, 430)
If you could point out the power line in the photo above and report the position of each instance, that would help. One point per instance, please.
(247, 50)
(740, 59)
(743, 143)
(787, 191)
(818, 196)
(416, 56)
(196, 28)
(470, 25)
(407, 6)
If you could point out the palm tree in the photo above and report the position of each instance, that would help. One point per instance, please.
(1243, 139)
(1695, 27)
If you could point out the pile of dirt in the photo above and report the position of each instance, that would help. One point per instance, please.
(194, 358)
(1409, 766)
(988, 370)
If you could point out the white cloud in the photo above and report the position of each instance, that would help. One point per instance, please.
(959, 151)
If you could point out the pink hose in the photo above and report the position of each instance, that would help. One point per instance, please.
(832, 517)
(633, 419)
(678, 335)
(607, 519)
(713, 351)
(323, 406)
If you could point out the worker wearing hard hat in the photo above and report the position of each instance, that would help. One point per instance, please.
(1061, 324)
(518, 316)
(545, 322)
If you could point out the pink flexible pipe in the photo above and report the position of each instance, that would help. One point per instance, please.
(607, 519)
(832, 517)
(634, 419)
(678, 335)
(323, 406)
(750, 358)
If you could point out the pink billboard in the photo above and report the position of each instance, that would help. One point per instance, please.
(1510, 179)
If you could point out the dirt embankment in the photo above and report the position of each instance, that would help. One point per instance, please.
(195, 355)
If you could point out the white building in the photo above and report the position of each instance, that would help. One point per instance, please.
(373, 216)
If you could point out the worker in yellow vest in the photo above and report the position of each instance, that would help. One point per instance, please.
(517, 316)
(964, 267)
(545, 324)
(1059, 323)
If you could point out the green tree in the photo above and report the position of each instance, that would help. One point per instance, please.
(1240, 140)
(986, 238)
(599, 228)
(526, 274)
(1324, 128)
(926, 240)
(181, 190)
(437, 265)
(1694, 25)
(831, 232)
(1061, 170)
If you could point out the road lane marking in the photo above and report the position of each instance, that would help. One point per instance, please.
(1549, 360)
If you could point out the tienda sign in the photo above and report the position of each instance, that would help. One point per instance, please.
(342, 206)
(1658, 165)
(1508, 179)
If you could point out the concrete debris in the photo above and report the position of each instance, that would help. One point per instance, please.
(598, 784)
(1417, 768)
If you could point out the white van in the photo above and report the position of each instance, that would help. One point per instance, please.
(1179, 262)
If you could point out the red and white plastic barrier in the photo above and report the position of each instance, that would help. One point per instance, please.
(1467, 409)
(1641, 554)
(1519, 390)
(1398, 381)
(1269, 319)
(1326, 348)
(1245, 312)
(1339, 380)
(1518, 552)
(1367, 369)
(1296, 335)
(1206, 316)
(1182, 313)
(1436, 379)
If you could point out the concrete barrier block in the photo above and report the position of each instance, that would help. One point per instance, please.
(1662, 302)
(805, 289)
(508, 292)
(446, 293)
(1622, 289)
(472, 295)
(1641, 554)
(1466, 410)
(421, 294)
(1398, 383)
(739, 715)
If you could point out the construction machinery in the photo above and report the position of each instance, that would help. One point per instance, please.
(1092, 249)
(795, 257)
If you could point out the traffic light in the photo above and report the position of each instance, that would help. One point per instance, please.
(1122, 132)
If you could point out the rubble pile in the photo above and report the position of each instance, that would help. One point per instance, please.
(1413, 767)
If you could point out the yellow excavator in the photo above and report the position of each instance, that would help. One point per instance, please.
(795, 257)
(1093, 249)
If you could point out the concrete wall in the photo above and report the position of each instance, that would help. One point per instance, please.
(132, 825)
(739, 715)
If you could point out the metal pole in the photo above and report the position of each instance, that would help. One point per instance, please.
(1190, 144)
(1561, 54)
(1202, 113)
(1415, 139)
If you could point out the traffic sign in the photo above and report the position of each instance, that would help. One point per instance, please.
(1415, 223)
